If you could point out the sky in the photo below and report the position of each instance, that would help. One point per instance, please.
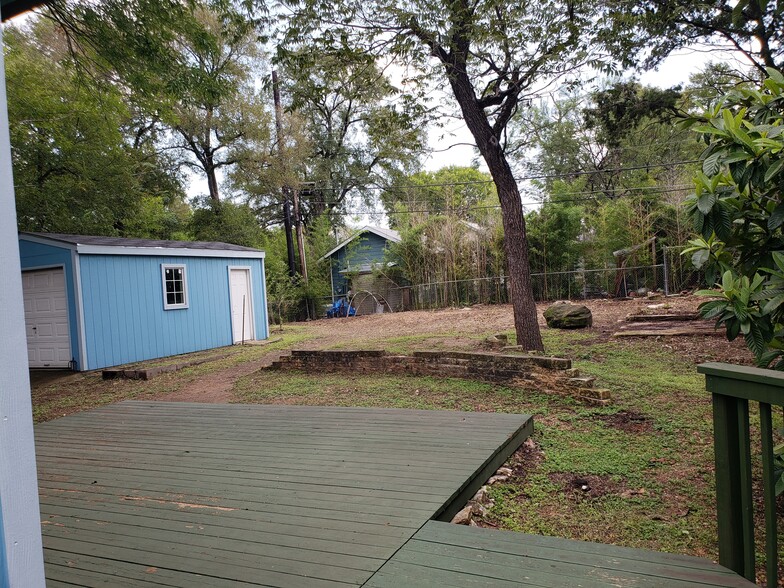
(673, 71)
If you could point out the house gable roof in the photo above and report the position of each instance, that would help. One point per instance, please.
(388, 234)
(121, 246)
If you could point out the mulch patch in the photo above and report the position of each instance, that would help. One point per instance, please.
(628, 421)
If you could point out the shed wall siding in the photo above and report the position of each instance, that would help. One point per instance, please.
(37, 256)
(124, 317)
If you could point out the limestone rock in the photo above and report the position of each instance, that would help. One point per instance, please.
(481, 495)
(563, 315)
(464, 516)
(497, 341)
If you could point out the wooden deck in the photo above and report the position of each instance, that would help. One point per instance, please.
(174, 494)
(441, 554)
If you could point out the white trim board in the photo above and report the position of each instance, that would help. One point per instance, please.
(167, 252)
(76, 267)
(23, 560)
(251, 310)
(160, 251)
(266, 301)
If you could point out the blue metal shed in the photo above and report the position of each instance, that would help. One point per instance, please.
(93, 302)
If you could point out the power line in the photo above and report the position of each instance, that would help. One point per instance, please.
(655, 189)
(497, 206)
(647, 166)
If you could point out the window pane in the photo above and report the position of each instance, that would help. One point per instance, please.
(174, 286)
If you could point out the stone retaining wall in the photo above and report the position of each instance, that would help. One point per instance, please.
(488, 367)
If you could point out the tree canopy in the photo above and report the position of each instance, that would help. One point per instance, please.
(82, 161)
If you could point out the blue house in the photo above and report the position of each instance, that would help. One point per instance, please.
(94, 302)
(353, 262)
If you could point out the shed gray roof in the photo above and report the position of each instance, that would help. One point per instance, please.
(151, 243)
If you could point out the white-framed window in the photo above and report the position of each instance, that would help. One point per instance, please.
(175, 286)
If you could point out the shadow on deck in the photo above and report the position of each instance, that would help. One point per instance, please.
(174, 494)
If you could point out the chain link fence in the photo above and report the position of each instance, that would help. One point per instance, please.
(675, 274)
(567, 285)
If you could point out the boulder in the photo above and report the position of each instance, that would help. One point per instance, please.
(563, 315)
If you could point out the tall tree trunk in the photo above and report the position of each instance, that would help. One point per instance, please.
(212, 183)
(515, 240)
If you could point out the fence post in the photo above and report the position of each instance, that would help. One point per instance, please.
(666, 271)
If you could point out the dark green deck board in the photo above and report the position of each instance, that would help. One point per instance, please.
(441, 554)
(307, 526)
(323, 476)
(265, 495)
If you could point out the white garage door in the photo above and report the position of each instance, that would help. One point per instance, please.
(46, 318)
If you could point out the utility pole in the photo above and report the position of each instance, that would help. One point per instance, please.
(300, 239)
(286, 206)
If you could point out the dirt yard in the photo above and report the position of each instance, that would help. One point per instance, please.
(60, 393)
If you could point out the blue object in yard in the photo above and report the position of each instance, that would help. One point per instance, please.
(341, 308)
(92, 302)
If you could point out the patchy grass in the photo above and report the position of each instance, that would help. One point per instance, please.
(661, 478)
(288, 387)
(650, 488)
(83, 391)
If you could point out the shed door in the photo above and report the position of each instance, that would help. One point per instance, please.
(241, 307)
(46, 318)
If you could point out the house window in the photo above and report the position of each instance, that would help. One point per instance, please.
(175, 287)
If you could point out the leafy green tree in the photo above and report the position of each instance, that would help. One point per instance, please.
(79, 164)
(738, 213)
(188, 65)
(364, 132)
(219, 119)
(489, 55)
(607, 154)
(463, 192)
(612, 141)
(290, 296)
(554, 231)
(226, 222)
(649, 31)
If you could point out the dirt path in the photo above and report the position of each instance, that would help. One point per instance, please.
(216, 387)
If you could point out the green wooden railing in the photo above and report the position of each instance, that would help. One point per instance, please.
(732, 388)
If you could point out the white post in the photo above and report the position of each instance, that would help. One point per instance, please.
(21, 552)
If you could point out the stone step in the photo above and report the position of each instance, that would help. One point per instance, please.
(582, 381)
(595, 393)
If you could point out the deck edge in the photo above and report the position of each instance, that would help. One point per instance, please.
(463, 494)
